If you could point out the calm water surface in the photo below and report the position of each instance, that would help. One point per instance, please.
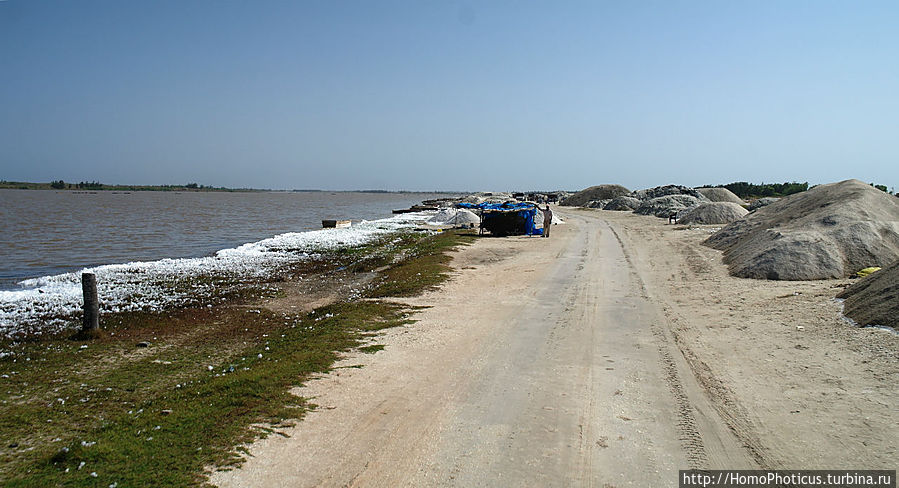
(47, 232)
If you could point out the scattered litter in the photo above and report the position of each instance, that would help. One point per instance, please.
(866, 271)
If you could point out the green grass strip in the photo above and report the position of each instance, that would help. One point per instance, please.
(210, 381)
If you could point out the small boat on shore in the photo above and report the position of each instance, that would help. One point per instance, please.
(416, 208)
(335, 224)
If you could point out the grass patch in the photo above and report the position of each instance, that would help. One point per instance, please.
(371, 349)
(202, 382)
(426, 266)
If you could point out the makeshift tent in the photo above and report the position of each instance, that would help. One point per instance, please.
(506, 219)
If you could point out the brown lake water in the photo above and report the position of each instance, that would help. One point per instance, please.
(48, 232)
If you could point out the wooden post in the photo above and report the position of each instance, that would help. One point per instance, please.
(91, 303)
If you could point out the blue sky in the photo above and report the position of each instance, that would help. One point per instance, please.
(451, 95)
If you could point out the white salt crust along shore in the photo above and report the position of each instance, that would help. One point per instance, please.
(52, 303)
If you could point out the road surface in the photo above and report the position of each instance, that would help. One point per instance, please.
(544, 362)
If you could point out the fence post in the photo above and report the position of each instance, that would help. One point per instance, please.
(91, 303)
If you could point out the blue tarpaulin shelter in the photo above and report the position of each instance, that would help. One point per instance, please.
(503, 219)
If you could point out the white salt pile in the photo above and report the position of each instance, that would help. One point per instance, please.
(461, 217)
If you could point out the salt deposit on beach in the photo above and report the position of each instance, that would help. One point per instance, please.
(52, 303)
(829, 231)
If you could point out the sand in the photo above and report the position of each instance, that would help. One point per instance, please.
(549, 361)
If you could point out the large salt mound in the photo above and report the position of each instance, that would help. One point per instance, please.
(874, 300)
(761, 202)
(623, 203)
(713, 213)
(666, 205)
(662, 191)
(601, 192)
(721, 195)
(830, 231)
(596, 204)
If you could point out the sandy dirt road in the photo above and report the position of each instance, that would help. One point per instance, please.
(543, 362)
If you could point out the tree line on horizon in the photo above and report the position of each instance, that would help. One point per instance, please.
(747, 190)
(96, 185)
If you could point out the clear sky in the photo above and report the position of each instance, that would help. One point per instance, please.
(427, 95)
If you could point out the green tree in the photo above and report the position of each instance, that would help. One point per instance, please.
(749, 190)
(58, 185)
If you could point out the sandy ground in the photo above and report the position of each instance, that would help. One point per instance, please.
(612, 354)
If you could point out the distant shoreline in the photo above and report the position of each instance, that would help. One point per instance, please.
(191, 187)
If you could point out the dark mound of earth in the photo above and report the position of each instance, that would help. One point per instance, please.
(874, 300)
